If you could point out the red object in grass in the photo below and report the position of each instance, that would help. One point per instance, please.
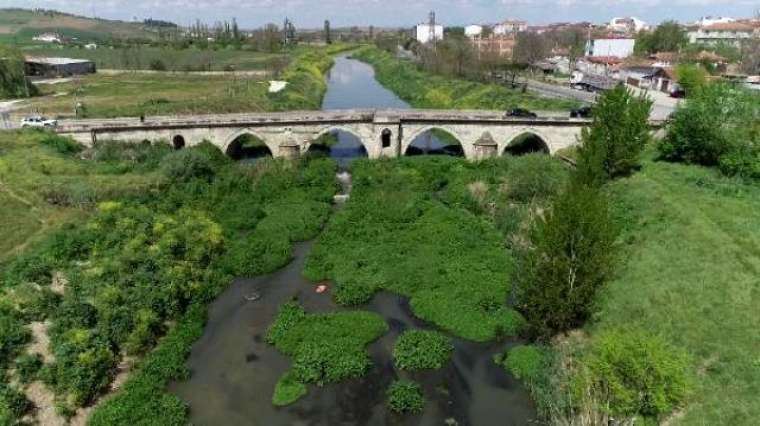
(321, 288)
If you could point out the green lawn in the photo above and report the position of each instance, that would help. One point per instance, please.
(690, 271)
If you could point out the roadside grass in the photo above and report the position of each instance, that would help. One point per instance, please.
(689, 272)
(424, 90)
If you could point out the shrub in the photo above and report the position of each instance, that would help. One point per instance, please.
(27, 367)
(611, 146)
(635, 373)
(189, 164)
(422, 349)
(405, 397)
(570, 257)
(13, 405)
(62, 145)
(527, 363)
(534, 176)
(157, 65)
(288, 390)
(691, 77)
(13, 335)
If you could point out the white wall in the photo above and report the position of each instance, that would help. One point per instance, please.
(619, 47)
(423, 33)
(473, 30)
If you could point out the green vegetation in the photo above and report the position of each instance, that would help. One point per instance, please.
(526, 362)
(717, 126)
(422, 349)
(611, 146)
(669, 36)
(325, 348)
(691, 77)
(140, 258)
(423, 90)
(171, 59)
(436, 209)
(13, 83)
(634, 373)
(133, 94)
(405, 397)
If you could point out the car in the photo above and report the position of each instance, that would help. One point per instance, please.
(678, 93)
(38, 121)
(522, 113)
(582, 112)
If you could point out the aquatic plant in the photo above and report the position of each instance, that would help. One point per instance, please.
(405, 397)
(422, 349)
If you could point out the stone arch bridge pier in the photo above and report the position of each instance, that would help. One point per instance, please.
(384, 133)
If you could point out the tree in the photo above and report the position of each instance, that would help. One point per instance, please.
(667, 37)
(611, 146)
(750, 56)
(691, 77)
(570, 256)
(328, 36)
(13, 82)
(530, 48)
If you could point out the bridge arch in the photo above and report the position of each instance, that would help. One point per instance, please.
(343, 148)
(232, 146)
(178, 141)
(409, 142)
(527, 141)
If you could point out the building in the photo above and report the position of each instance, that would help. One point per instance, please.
(620, 47)
(706, 21)
(627, 25)
(510, 27)
(48, 38)
(723, 32)
(649, 77)
(473, 30)
(57, 67)
(424, 35)
(496, 45)
(600, 65)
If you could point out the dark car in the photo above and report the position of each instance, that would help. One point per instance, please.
(679, 93)
(522, 113)
(582, 112)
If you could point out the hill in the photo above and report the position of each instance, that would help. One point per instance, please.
(21, 25)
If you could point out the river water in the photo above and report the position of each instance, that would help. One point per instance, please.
(234, 370)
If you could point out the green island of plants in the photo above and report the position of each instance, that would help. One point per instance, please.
(326, 348)
(405, 397)
(424, 90)
(422, 349)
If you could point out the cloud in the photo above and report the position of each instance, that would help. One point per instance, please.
(311, 13)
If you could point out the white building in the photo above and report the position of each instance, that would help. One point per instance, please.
(616, 47)
(723, 32)
(627, 25)
(424, 35)
(510, 27)
(48, 38)
(706, 21)
(473, 30)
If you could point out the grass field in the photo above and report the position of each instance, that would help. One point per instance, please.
(690, 271)
(173, 59)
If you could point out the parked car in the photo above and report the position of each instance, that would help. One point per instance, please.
(38, 121)
(582, 112)
(522, 113)
(678, 93)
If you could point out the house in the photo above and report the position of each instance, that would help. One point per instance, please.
(706, 21)
(57, 67)
(620, 47)
(627, 25)
(600, 65)
(473, 30)
(48, 38)
(510, 27)
(649, 77)
(732, 33)
(424, 34)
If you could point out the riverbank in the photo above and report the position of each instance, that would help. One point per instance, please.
(423, 90)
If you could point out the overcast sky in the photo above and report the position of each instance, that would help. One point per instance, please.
(312, 13)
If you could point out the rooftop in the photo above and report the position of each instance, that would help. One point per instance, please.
(55, 61)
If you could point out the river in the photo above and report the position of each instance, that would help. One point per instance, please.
(234, 370)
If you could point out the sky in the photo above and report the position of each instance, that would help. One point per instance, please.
(312, 13)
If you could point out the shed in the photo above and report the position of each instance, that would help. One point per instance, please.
(57, 67)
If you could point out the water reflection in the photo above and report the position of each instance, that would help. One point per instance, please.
(351, 84)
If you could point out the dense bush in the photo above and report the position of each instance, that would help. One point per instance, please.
(534, 176)
(13, 334)
(716, 126)
(422, 349)
(410, 211)
(61, 144)
(405, 397)
(288, 390)
(13, 405)
(27, 367)
(634, 373)
(569, 258)
(612, 145)
(325, 348)
(526, 362)
(13, 82)
(200, 162)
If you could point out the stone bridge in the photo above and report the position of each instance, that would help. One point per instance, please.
(384, 133)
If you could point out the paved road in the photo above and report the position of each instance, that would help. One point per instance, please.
(662, 107)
